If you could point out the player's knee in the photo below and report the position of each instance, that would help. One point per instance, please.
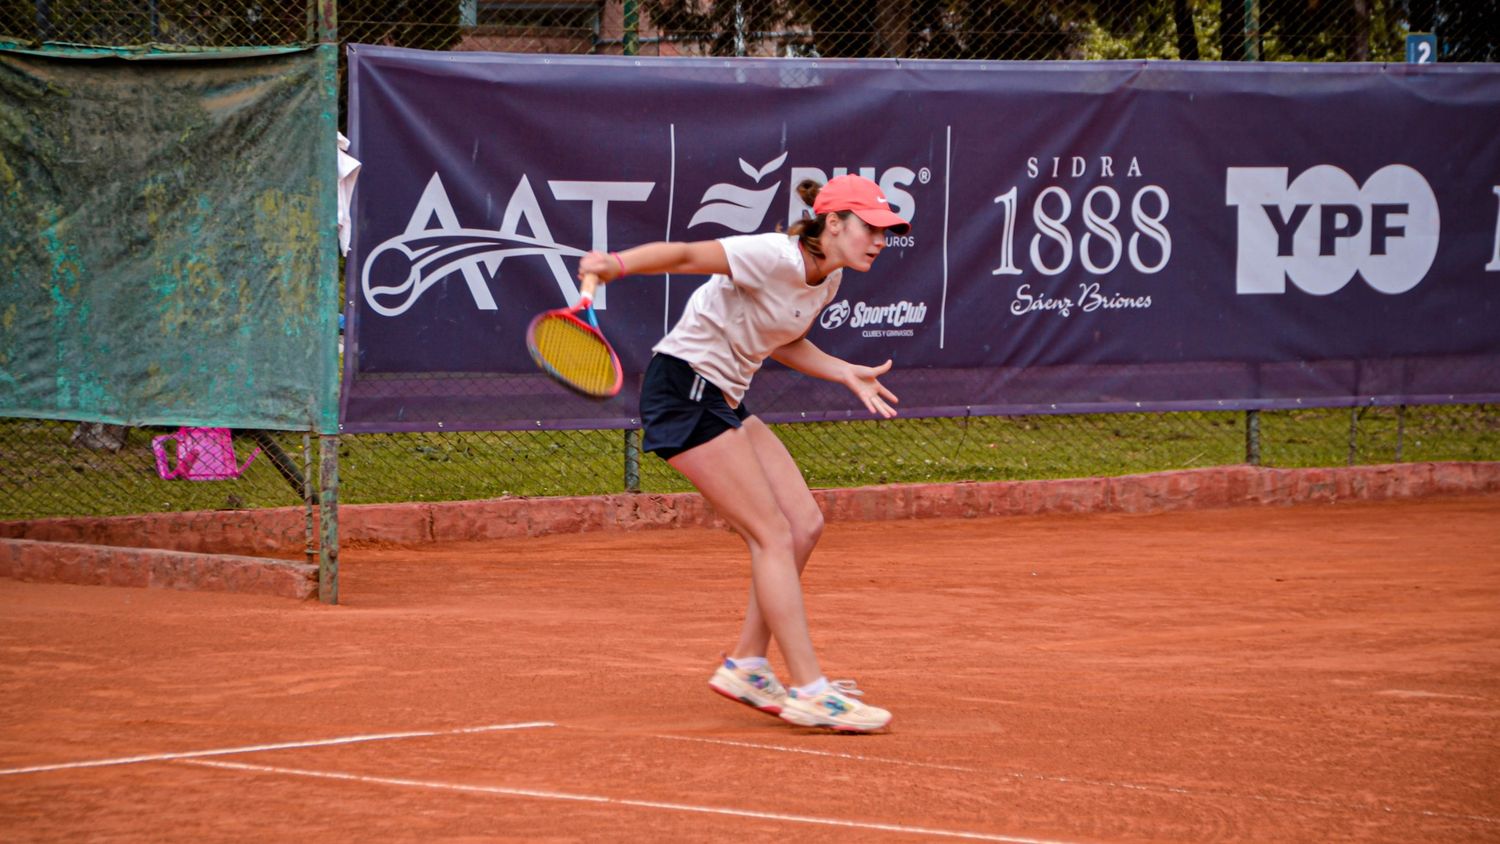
(806, 533)
(772, 534)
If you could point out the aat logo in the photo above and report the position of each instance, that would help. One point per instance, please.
(436, 246)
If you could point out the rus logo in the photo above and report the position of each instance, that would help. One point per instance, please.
(743, 209)
(1323, 228)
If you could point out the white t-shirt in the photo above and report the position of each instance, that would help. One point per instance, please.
(733, 323)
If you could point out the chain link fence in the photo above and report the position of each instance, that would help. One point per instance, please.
(1231, 30)
(50, 468)
(55, 468)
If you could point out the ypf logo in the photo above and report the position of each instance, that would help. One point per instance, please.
(1322, 229)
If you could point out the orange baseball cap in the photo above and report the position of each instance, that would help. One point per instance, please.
(863, 197)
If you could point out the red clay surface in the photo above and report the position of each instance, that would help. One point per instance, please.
(1312, 673)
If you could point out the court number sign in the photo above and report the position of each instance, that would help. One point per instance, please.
(1421, 48)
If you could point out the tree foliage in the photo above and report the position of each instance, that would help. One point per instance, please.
(1308, 30)
(723, 27)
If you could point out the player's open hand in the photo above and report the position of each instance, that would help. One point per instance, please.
(864, 381)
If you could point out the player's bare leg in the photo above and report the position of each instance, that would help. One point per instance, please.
(728, 471)
(833, 705)
(802, 512)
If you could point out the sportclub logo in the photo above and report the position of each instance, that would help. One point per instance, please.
(890, 320)
(835, 315)
(743, 209)
(1322, 229)
(425, 254)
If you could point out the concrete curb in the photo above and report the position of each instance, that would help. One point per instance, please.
(109, 550)
(98, 565)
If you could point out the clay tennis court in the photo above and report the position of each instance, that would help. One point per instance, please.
(1318, 672)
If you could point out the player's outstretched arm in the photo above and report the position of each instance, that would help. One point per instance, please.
(862, 381)
(702, 257)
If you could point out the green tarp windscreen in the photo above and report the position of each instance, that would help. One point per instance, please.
(168, 240)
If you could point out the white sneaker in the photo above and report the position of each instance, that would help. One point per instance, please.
(756, 687)
(834, 709)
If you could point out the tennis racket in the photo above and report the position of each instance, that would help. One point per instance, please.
(575, 352)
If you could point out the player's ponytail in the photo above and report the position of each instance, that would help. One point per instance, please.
(810, 228)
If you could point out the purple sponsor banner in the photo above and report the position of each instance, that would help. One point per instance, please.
(1085, 236)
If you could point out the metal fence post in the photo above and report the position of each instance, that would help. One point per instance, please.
(308, 496)
(328, 444)
(1252, 31)
(1252, 437)
(1400, 429)
(328, 21)
(45, 30)
(632, 459)
(328, 502)
(1353, 434)
(632, 22)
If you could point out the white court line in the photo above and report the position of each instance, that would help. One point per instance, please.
(256, 748)
(1304, 801)
(828, 753)
(620, 801)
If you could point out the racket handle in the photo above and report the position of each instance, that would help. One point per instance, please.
(586, 287)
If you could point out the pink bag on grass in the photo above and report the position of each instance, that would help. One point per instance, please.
(203, 454)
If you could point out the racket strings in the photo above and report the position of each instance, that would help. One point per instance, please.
(576, 355)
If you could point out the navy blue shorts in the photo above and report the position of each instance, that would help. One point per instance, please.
(681, 409)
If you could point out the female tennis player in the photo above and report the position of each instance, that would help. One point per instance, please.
(764, 292)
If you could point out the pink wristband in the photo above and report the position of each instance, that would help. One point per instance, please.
(621, 262)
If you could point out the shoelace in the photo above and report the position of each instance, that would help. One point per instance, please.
(846, 688)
